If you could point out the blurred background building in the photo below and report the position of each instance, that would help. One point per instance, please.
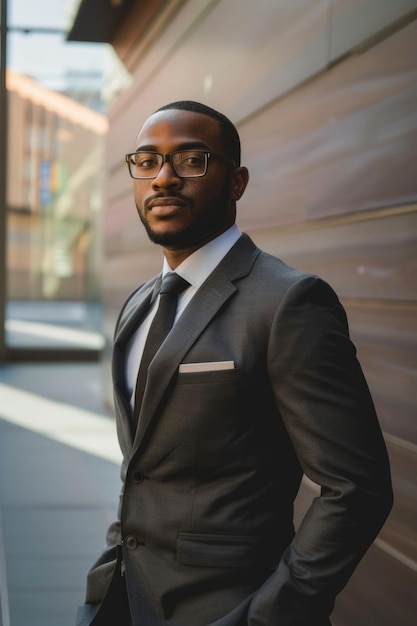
(324, 95)
(54, 194)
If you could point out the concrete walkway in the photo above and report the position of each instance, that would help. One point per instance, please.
(59, 487)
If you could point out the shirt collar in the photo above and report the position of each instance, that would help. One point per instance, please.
(199, 265)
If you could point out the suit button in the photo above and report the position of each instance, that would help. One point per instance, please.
(138, 477)
(131, 542)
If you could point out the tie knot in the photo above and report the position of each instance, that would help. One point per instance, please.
(173, 283)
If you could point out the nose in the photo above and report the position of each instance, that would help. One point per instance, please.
(167, 177)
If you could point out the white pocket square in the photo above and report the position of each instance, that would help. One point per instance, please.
(210, 366)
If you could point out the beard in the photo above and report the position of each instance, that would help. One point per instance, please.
(209, 223)
(175, 240)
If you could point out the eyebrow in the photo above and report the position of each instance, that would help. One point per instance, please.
(188, 145)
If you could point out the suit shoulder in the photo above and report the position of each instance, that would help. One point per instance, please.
(291, 283)
(279, 270)
(251, 258)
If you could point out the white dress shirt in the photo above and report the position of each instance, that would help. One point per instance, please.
(195, 269)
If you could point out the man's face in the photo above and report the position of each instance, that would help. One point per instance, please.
(183, 213)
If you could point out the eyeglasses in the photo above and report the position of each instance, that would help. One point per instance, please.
(185, 163)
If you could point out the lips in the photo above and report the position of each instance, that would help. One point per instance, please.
(165, 205)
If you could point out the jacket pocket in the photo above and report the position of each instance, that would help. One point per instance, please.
(212, 550)
(213, 376)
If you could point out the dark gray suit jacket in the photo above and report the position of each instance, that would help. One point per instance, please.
(210, 476)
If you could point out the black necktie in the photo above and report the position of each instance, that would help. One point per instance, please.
(172, 286)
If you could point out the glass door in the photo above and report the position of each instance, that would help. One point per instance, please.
(56, 130)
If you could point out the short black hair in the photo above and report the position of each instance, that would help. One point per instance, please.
(230, 136)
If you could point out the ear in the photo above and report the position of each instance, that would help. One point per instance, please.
(240, 178)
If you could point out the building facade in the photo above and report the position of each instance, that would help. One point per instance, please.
(54, 194)
(324, 95)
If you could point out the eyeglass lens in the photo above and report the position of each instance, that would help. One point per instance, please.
(186, 163)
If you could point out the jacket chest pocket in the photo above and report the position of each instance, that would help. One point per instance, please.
(200, 417)
(207, 405)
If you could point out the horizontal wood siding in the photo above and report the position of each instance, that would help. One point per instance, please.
(324, 95)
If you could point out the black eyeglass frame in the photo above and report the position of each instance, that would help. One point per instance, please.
(169, 158)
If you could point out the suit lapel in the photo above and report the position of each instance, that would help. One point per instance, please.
(164, 365)
(135, 309)
(133, 312)
(217, 289)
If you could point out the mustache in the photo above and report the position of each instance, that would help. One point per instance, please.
(171, 195)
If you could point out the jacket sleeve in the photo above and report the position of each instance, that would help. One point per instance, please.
(329, 415)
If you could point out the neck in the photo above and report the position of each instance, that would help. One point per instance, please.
(176, 256)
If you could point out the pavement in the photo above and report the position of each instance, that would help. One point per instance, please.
(54, 324)
(59, 487)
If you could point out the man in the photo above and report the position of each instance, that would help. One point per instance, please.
(256, 384)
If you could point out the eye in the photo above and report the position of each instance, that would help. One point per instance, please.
(193, 159)
(145, 160)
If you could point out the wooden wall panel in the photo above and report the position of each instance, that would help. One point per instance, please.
(355, 21)
(142, 16)
(381, 593)
(236, 56)
(240, 56)
(310, 157)
(121, 270)
(386, 339)
(373, 258)
(333, 190)
(344, 143)
(123, 229)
